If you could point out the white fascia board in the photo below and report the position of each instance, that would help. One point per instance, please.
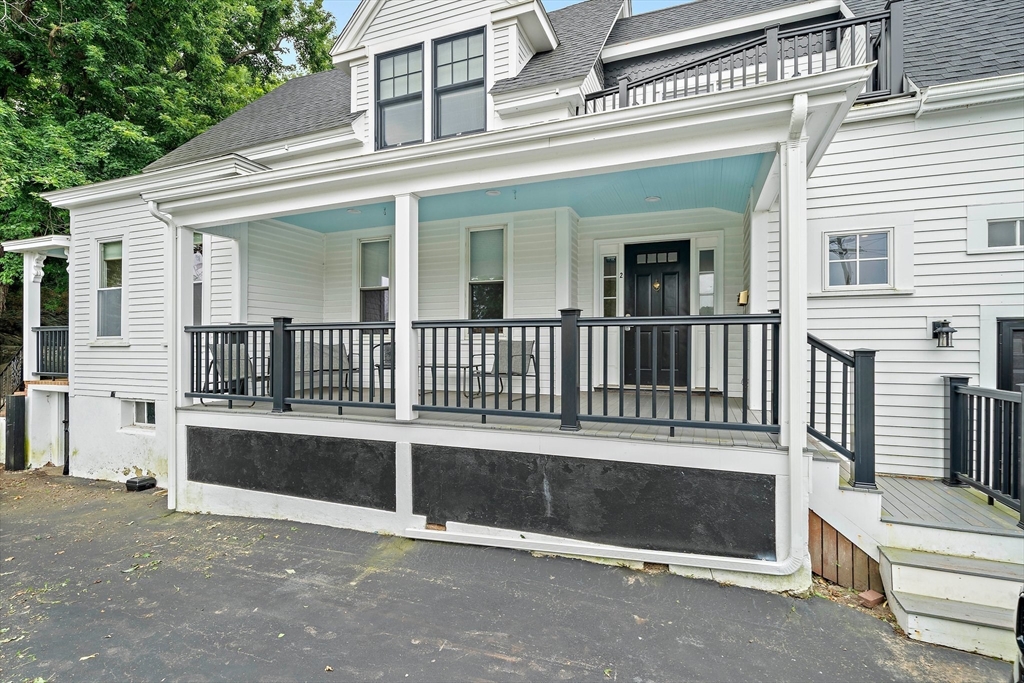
(51, 245)
(356, 26)
(742, 121)
(942, 97)
(208, 170)
(569, 93)
(344, 60)
(340, 138)
(700, 34)
(534, 22)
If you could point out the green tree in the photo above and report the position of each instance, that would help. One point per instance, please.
(92, 90)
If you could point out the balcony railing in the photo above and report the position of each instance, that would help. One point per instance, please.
(777, 55)
(51, 351)
(984, 432)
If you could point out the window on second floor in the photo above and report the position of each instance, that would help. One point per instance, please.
(400, 97)
(459, 85)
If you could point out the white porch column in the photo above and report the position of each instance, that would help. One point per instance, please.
(793, 280)
(182, 304)
(405, 290)
(31, 309)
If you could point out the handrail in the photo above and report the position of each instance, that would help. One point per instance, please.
(782, 55)
(11, 375)
(52, 351)
(985, 392)
(833, 351)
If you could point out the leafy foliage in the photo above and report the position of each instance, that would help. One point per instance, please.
(92, 90)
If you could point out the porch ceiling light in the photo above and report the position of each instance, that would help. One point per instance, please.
(493, 193)
(942, 332)
(652, 199)
(354, 211)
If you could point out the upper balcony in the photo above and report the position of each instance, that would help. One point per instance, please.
(777, 55)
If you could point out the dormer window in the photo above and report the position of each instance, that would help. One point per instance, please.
(459, 85)
(400, 97)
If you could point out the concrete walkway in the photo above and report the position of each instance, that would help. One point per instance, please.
(100, 584)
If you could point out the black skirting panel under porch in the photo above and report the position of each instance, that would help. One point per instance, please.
(635, 505)
(348, 471)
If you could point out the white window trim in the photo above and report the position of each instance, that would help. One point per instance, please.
(358, 237)
(468, 225)
(97, 249)
(978, 218)
(128, 423)
(357, 272)
(900, 227)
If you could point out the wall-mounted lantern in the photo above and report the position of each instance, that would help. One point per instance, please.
(942, 332)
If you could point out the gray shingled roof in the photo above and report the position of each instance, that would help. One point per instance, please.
(303, 105)
(582, 30)
(948, 41)
(696, 13)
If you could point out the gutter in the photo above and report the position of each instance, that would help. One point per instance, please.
(170, 322)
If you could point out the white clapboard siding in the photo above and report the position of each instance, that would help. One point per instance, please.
(503, 59)
(138, 370)
(524, 51)
(407, 18)
(339, 263)
(286, 273)
(935, 166)
(223, 264)
(671, 225)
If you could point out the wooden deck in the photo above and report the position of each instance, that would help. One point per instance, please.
(546, 422)
(930, 503)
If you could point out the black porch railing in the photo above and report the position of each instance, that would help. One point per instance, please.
(286, 364)
(641, 371)
(472, 366)
(689, 371)
(842, 405)
(984, 435)
(777, 55)
(51, 351)
(10, 377)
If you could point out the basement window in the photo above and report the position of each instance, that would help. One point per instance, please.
(145, 414)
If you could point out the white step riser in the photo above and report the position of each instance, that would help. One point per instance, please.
(978, 590)
(984, 640)
(963, 544)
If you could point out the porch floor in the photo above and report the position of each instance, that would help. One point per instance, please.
(529, 422)
(930, 503)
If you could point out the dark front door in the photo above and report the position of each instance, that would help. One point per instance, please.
(1010, 355)
(657, 283)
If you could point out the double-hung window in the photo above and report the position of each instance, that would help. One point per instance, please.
(374, 280)
(108, 295)
(858, 260)
(487, 274)
(459, 85)
(197, 278)
(400, 97)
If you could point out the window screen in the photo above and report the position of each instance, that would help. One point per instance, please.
(487, 274)
(459, 85)
(400, 98)
(108, 294)
(374, 280)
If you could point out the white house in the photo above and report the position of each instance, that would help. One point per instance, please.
(668, 288)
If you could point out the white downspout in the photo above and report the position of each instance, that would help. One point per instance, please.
(171, 325)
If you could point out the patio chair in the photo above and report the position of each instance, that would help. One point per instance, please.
(522, 360)
(318, 365)
(385, 360)
(231, 370)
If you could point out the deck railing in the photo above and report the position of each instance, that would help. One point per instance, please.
(286, 364)
(683, 371)
(777, 55)
(51, 351)
(984, 441)
(841, 405)
(10, 377)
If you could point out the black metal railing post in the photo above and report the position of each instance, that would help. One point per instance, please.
(895, 75)
(623, 92)
(955, 433)
(570, 369)
(1019, 426)
(772, 51)
(281, 353)
(864, 419)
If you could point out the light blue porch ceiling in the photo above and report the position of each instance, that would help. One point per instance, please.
(718, 183)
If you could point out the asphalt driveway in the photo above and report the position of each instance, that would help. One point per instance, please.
(100, 584)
